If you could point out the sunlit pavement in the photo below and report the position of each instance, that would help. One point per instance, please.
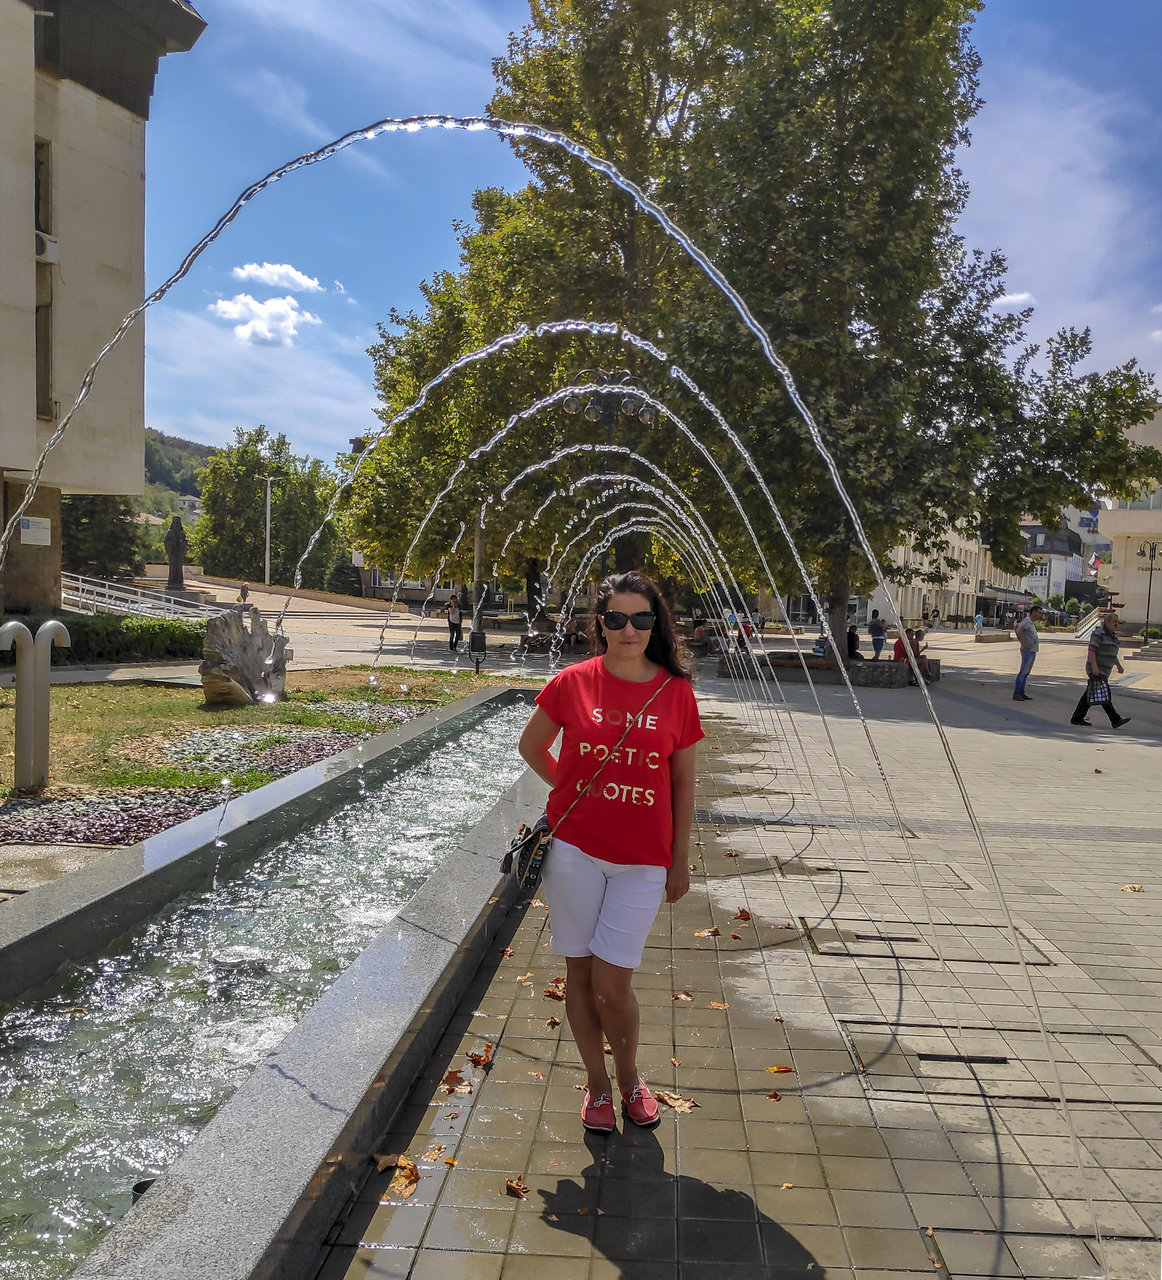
(915, 1132)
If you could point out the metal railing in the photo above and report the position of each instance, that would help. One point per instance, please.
(1089, 624)
(96, 595)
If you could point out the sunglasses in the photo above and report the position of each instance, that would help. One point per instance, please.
(615, 621)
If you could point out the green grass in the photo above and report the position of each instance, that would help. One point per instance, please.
(165, 775)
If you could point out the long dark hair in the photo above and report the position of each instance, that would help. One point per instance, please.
(665, 647)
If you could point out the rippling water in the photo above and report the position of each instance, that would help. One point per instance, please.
(111, 1070)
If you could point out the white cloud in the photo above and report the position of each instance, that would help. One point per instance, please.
(339, 286)
(201, 384)
(1157, 310)
(1014, 300)
(1058, 174)
(273, 323)
(1156, 335)
(278, 275)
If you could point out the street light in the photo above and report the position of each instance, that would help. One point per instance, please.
(1149, 549)
(619, 395)
(266, 559)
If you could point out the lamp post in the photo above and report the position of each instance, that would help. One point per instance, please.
(266, 558)
(1150, 550)
(615, 398)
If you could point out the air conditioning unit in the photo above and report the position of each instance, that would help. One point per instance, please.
(47, 248)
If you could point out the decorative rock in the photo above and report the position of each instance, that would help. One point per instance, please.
(240, 667)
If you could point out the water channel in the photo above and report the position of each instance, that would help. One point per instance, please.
(111, 1069)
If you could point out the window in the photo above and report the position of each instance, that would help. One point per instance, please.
(1040, 540)
(43, 186)
(44, 404)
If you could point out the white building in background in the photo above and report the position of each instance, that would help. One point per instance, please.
(1133, 580)
(76, 78)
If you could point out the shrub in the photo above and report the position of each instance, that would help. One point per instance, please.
(106, 637)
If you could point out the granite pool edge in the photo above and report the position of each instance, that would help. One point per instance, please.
(255, 1194)
(85, 910)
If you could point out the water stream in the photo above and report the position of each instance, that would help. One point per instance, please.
(109, 1071)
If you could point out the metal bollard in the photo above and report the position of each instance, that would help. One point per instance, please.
(16, 633)
(48, 634)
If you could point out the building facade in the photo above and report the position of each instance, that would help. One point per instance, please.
(1133, 571)
(76, 79)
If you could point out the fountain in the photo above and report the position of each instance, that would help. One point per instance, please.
(330, 1112)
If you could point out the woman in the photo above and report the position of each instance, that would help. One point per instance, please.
(1100, 659)
(455, 628)
(623, 845)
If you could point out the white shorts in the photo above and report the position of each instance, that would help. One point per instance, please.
(599, 908)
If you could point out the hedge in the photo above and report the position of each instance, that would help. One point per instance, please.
(107, 637)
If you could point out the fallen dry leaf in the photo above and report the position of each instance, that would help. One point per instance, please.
(698, 844)
(736, 937)
(483, 1057)
(682, 995)
(434, 1152)
(383, 1162)
(707, 933)
(742, 914)
(675, 1100)
(1131, 888)
(537, 902)
(508, 953)
(537, 1075)
(524, 977)
(730, 853)
(453, 1115)
(552, 1022)
(405, 1179)
(556, 989)
(454, 1082)
(1097, 771)
(775, 1096)
(787, 1186)
(677, 1062)
(779, 1070)
(516, 1187)
(450, 1162)
(788, 925)
(718, 1004)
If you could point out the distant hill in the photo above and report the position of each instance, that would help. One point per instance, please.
(172, 463)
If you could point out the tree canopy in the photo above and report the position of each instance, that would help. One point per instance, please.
(230, 537)
(809, 149)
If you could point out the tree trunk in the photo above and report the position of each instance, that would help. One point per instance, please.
(838, 594)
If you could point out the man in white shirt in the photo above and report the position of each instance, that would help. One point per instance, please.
(1028, 639)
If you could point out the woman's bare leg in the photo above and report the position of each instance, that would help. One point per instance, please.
(581, 1010)
(617, 1012)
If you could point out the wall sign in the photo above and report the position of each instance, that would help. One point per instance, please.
(35, 531)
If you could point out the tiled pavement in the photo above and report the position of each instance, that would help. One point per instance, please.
(915, 1133)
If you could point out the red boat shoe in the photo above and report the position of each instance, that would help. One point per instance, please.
(597, 1114)
(640, 1106)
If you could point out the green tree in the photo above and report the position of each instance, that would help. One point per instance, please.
(100, 537)
(1072, 605)
(229, 539)
(1057, 600)
(809, 148)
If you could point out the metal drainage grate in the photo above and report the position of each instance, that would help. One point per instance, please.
(999, 1063)
(896, 875)
(907, 940)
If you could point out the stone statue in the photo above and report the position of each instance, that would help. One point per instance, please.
(240, 666)
(175, 541)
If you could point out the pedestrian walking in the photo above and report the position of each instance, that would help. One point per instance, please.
(1100, 660)
(934, 619)
(455, 623)
(1028, 639)
(878, 633)
(623, 847)
(244, 593)
(978, 624)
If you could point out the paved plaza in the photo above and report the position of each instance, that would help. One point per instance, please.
(866, 949)
(862, 1087)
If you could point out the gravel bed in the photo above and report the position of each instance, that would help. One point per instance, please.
(128, 814)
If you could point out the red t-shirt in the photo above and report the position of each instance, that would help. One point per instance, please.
(627, 816)
(898, 653)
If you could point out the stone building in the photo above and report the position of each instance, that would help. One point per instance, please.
(1132, 579)
(76, 77)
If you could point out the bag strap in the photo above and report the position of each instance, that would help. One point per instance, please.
(628, 726)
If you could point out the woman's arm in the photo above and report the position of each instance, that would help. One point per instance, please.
(535, 740)
(682, 764)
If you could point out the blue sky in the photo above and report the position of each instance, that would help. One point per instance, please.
(272, 324)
